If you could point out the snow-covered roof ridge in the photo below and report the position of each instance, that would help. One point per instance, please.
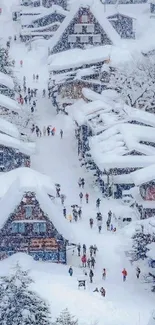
(9, 128)
(27, 148)
(97, 10)
(27, 178)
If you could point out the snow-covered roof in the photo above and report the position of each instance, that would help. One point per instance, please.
(108, 148)
(9, 103)
(97, 10)
(9, 128)
(144, 175)
(27, 178)
(75, 58)
(13, 197)
(27, 148)
(6, 80)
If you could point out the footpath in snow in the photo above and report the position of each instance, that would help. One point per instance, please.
(58, 158)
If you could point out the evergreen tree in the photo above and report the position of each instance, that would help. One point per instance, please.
(65, 318)
(139, 247)
(5, 62)
(18, 304)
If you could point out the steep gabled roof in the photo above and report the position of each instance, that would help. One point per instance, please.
(97, 10)
(13, 198)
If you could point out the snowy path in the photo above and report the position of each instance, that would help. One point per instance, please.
(58, 158)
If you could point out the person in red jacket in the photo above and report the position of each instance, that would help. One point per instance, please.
(21, 63)
(124, 272)
(87, 197)
(84, 260)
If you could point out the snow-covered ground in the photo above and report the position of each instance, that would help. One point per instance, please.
(124, 302)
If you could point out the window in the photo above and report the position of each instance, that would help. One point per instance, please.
(28, 211)
(90, 28)
(97, 38)
(78, 28)
(39, 227)
(84, 39)
(72, 38)
(18, 227)
(84, 19)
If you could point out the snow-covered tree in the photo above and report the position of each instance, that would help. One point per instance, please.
(135, 82)
(5, 62)
(139, 247)
(19, 304)
(65, 318)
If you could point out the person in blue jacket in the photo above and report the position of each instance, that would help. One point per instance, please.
(70, 271)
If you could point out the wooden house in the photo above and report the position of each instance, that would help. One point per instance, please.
(28, 224)
(123, 24)
(85, 25)
(14, 153)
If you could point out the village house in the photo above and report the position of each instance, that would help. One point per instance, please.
(14, 152)
(85, 24)
(125, 25)
(30, 220)
(40, 21)
(144, 191)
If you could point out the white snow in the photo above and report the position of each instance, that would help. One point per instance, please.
(27, 148)
(27, 178)
(6, 80)
(8, 103)
(144, 175)
(76, 58)
(9, 128)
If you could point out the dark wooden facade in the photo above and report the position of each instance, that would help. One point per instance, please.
(152, 8)
(11, 158)
(124, 25)
(83, 30)
(28, 229)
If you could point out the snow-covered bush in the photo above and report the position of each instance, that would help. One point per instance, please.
(19, 304)
(139, 246)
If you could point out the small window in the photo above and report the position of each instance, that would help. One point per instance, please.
(72, 38)
(18, 227)
(84, 39)
(21, 227)
(14, 227)
(90, 28)
(28, 211)
(78, 28)
(97, 38)
(84, 19)
(39, 227)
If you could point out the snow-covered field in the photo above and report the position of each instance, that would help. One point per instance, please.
(124, 302)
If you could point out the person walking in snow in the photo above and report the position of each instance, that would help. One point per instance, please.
(48, 131)
(92, 261)
(99, 225)
(98, 201)
(25, 99)
(70, 218)
(79, 249)
(95, 249)
(37, 77)
(15, 38)
(91, 250)
(58, 191)
(70, 271)
(80, 212)
(84, 260)
(34, 77)
(61, 133)
(81, 197)
(44, 131)
(91, 274)
(62, 197)
(37, 131)
(84, 249)
(138, 271)
(32, 109)
(91, 222)
(103, 292)
(80, 182)
(44, 92)
(87, 197)
(104, 274)
(89, 262)
(124, 272)
(64, 212)
(21, 63)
